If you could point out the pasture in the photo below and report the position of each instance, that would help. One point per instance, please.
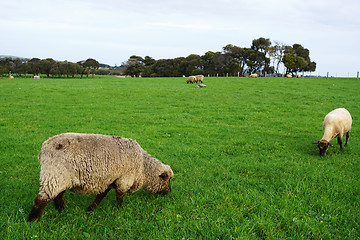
(240, 150)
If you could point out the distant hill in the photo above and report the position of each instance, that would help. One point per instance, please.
(14, 57)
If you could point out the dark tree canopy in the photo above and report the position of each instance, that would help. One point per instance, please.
(262, 58)
(49, 67)
(297, 59)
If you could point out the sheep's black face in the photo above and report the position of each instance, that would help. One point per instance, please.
(165, 186)
(323, 146)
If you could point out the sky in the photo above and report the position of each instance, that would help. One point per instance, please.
(111, 31)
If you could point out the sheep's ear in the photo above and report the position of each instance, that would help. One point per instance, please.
(316, 142)
(331, 145)
(164, 175)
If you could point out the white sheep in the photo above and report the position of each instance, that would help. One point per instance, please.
(336, 124)
(199, 78)
(11, 76)
(253, 75)
(200, 85)
(36, 77)
(288, 75)
(191, 79)
(94, 164)
(298, 75)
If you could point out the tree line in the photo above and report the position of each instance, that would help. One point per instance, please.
(48, 67)
(263, 57)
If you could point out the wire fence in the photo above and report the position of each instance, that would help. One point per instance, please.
(299, 75)
(349, 75)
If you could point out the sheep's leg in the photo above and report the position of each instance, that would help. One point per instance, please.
(97, 200)
(339, 140)
(119, 198)
(347, 138)
(38, 208)
(59, 202)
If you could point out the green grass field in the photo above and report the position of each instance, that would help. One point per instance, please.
(240, 150)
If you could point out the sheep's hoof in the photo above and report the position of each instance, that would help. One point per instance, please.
(90, 209)
(59, 208)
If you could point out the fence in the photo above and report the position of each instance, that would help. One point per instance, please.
(268, 75)
(357, 75)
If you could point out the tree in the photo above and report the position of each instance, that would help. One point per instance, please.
(91, 65)
(46, 65)
(34, 66)
(169, 67)
(23, 68)
(219, 62)
(193, 65)
(206, 60)
(261, 44)
(3, 66)
(297, 59)
(134, 66)
(7, 66)
(148, 61)
(71, 69)
(55, 69)
(276, 53)
(240, 55)
(256, 61)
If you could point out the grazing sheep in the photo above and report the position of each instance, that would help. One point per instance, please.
(298, 76)
(200, 85)
(199, 78)
(94, 164)
(336, 123)
(288, 75)
(253, 75)
(36, 77)
(11, 77)
(191, 79)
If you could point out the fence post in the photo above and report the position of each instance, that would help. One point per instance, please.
(357, 76)
(327, 75)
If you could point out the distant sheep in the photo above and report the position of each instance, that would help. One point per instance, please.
(191, 79)
(336, 124)
(199, 78)
(94, 164)
(36, 77)
(200, 85)
(11, 77)
(298, 76)
(253, 75)
(289, 76)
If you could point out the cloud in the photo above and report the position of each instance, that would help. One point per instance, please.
(113, 30)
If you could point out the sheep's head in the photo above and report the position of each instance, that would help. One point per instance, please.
(165, 186)
(323, 146)
(159, 182)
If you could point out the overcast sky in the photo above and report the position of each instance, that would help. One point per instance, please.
(110, 31)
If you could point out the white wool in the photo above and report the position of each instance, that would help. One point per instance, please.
(336, 122)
